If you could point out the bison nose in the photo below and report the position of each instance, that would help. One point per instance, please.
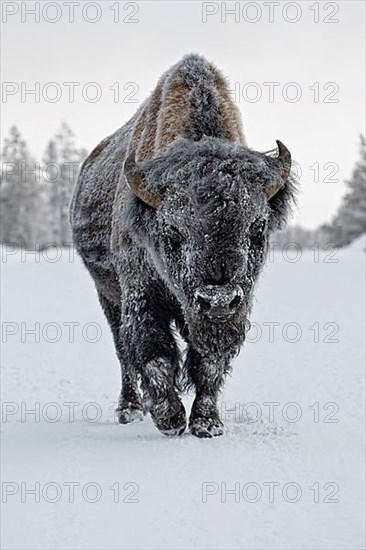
(219, 301)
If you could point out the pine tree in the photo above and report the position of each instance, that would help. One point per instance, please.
(19, 192)
(61, 162)
(51, 178)
(350, 220)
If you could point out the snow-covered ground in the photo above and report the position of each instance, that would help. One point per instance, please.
(287, 474)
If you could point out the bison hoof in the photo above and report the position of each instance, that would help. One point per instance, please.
(169, 418)
(129, 413)
(206, 427)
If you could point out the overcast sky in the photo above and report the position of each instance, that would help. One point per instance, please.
(319, 46)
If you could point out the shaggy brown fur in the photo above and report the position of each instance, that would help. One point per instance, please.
(171, 111)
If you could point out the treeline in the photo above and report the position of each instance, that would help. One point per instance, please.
(347, 224)
(35, 197)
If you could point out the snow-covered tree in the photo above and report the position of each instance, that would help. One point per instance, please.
(19, 192)
(350, 220)
(61, 163)
(34, 200)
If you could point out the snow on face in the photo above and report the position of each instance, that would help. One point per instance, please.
(205, 234)
(211, 230)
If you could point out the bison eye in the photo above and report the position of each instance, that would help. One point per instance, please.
(257, 231)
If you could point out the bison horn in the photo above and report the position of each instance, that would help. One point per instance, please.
(135, 182)
(285, 156)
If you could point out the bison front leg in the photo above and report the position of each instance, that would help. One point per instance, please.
(207, 375)
(149, 346)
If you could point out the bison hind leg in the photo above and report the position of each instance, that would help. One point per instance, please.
(130, 408)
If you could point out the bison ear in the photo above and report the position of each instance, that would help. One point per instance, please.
(135, 182)
(284, 156)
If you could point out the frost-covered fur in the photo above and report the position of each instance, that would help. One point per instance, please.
(192, 263)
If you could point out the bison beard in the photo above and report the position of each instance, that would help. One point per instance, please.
(172, 215)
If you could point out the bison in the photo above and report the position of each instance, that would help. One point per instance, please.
(172, 216)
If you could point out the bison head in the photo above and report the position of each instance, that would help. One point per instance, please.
(204, 215)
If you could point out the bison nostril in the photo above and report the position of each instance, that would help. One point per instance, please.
(235, 302)
(218, 301)
(203, 304)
